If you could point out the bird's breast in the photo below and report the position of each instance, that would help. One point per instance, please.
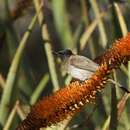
(79, 73)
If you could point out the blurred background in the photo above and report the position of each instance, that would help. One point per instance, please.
(31, 29)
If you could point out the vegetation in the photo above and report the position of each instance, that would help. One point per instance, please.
(30, 31)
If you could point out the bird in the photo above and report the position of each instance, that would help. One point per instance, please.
(80, 67)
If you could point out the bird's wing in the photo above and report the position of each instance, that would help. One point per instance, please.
(83, 63)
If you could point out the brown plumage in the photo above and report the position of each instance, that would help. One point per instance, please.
(70, 99)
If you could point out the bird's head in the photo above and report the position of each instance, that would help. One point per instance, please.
(66, 53)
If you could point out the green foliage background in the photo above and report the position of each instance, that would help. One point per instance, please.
(29, 31)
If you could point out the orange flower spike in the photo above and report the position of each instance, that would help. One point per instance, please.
(120, 49)
(70, 99)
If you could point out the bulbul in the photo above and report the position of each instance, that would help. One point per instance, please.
(77, 66)
(80, 67)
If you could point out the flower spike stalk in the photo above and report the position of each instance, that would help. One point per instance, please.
(70, 99)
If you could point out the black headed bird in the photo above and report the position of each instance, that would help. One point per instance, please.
(77, 66)
(80, 67)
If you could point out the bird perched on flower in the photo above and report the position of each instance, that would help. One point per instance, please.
(80, 67)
